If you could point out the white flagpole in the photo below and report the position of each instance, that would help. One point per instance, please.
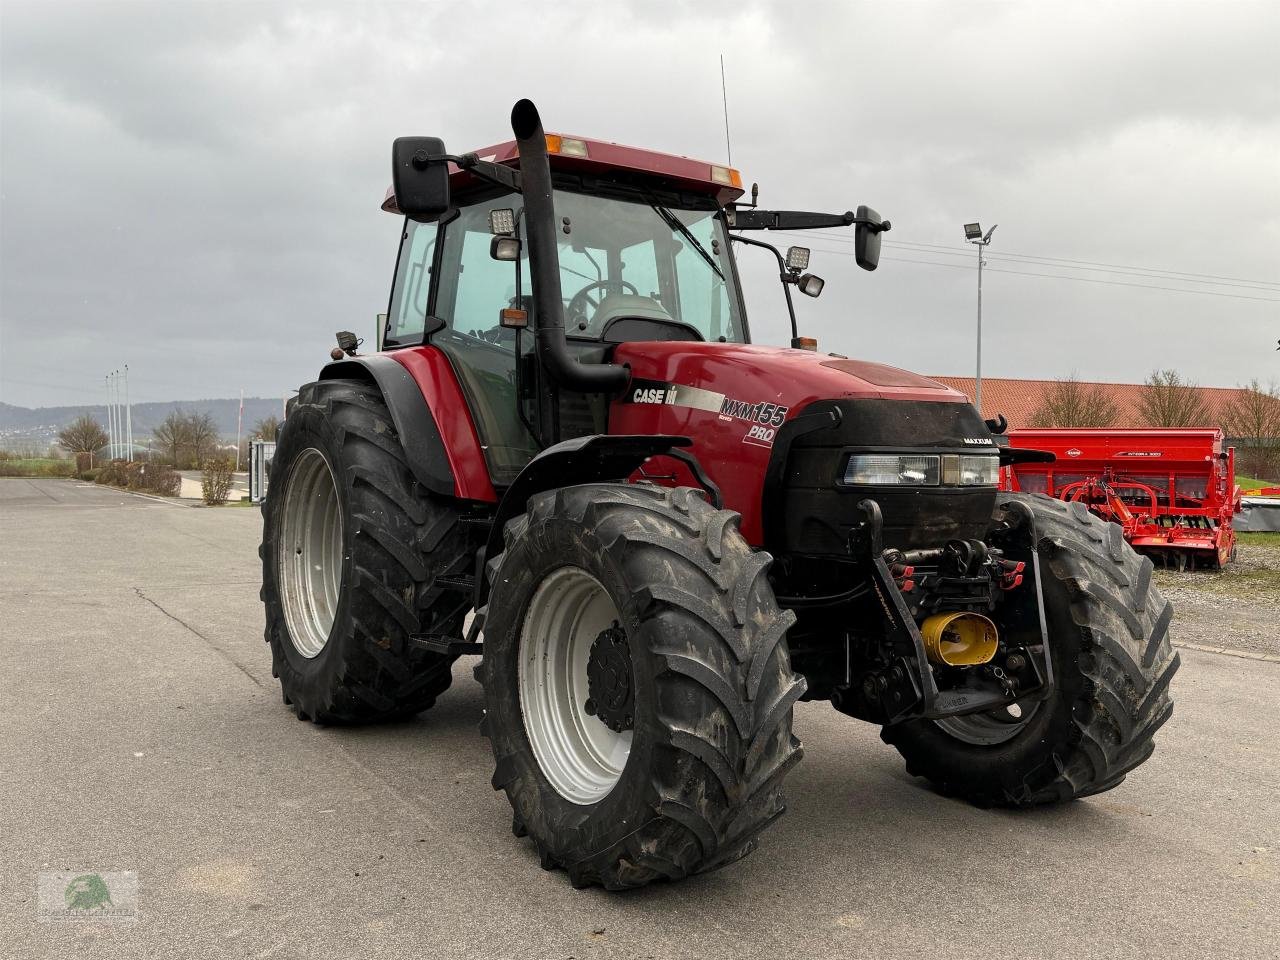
(239, 428)
(111, 433)
(128, 414)
(115, 383)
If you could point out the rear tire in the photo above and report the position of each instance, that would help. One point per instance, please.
(1108, 635)
(351, 547)
(701, 643)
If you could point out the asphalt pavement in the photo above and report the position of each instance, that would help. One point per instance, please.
(142, 731)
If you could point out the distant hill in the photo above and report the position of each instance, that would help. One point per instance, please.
(23, 426)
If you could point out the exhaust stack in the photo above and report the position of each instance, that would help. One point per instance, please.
(544, 265)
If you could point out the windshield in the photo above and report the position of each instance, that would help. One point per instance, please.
(625, 258)
(618, 258)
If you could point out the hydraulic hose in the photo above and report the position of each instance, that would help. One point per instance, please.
(544, 266)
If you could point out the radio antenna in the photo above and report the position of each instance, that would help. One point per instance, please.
(724, 93)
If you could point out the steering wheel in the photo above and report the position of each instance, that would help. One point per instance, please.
(579, 302)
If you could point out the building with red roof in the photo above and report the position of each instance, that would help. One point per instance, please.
(1018, 400)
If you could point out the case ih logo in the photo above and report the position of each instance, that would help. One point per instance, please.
(1074, 452)
(764, 418)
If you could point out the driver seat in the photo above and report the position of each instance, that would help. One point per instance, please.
(626, 317)
(616, 305)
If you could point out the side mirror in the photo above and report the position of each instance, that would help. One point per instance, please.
(866, 239)
(505, 248)
(420, 177)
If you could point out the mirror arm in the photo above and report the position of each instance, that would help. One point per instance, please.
(783, 273)
(498, 173)
(799, 220)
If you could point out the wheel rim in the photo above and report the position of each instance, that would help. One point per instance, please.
(990, 728)
(580, 756)
(309, 555)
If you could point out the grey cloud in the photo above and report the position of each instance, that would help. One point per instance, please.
(193, 187)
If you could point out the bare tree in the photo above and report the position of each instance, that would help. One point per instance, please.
(83, 435)
(1169, 401)
(202, 436)
(1252, 422)
(265, 429)
(188, 438)
(172, 435)
(1070, 403)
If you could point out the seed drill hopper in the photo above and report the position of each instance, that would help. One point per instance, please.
(1173, 491)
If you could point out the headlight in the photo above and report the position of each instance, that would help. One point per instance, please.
(962, 471)
(979, 471)
(922, 470)
(908, 470)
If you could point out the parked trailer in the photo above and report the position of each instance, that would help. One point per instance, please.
(1173, 491)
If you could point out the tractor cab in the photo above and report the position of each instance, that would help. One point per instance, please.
(643, 253)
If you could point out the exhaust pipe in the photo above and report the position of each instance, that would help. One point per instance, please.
(959, 639)
(544, 265)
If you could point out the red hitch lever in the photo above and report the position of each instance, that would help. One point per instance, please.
(1011, 578)
(902, 575)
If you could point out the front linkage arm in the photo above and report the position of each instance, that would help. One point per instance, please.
(906, 688)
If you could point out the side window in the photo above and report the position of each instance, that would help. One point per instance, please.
(484, 285)
(704, 295)
(408, 317)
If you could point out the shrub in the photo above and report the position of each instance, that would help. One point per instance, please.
(215, 480)
(91, 475)
(115, 473)
(138, 475)
(163, 480)
(35, 467)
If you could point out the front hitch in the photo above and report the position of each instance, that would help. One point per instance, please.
(905, 686)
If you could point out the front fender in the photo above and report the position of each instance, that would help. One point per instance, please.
(589, 459)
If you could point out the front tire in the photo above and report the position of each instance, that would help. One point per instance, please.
(1108, 635)
(351, 547)
(649, 603)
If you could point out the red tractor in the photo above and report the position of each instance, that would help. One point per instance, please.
(665, 536)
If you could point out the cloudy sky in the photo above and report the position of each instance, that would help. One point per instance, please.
(193, 188)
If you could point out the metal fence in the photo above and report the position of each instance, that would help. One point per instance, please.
(260, 454)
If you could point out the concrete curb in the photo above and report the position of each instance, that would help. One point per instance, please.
(1228, 652)
(172, 501)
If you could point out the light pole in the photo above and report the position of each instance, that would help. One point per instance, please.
(973, 234)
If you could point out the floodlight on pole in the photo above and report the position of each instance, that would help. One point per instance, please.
(973, 234)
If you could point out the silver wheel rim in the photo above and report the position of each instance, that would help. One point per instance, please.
(581, 757)
(990, 728)
(309, 554)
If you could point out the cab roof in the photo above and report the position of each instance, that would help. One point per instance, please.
(583, 155)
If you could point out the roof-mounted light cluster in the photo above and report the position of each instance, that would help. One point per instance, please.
(566, 146)
(726, 175)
